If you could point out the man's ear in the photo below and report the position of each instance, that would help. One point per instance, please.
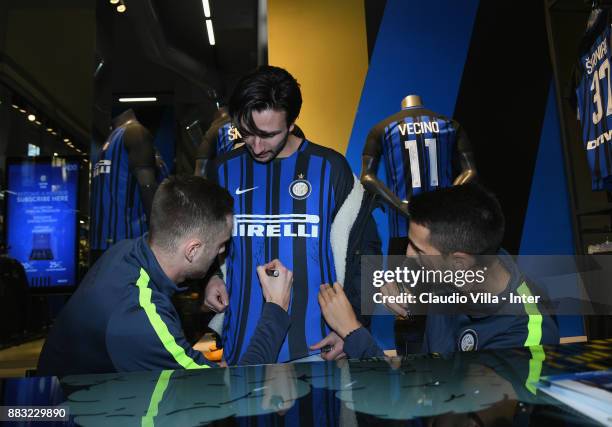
(291, 126)
(191, 249)
(462, 261)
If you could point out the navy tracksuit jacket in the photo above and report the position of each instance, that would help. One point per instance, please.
(121, 318)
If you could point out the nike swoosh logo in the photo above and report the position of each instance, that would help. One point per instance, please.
(246, 190)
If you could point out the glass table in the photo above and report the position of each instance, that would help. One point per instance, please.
(487, 388)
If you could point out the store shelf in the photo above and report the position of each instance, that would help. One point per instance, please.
(596, 230)
(605, 211)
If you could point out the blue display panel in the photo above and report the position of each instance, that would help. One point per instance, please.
(41, 219)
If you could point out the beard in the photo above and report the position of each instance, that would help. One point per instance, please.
(272, 153)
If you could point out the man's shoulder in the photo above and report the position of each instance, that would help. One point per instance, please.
(512, 331)
(337, 161)
(320, 150)
(229, 155)
(145, 306)
(114, 263)
(117, 251)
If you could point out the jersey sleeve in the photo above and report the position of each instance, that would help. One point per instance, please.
(342, 180)
(149, 337)
(360, 344)
(139, 145)
(512, 337)
(363, 241)
(373, 144)
(528, 330)
(268, 337)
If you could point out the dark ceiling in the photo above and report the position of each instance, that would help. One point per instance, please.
(161, 43)
(157, 47)
(235, 23)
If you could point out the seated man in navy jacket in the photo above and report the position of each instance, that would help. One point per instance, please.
(458, 225)
(121, 317)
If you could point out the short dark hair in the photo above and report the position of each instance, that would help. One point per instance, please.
(464, 218)
(187, 204)
(266, 88)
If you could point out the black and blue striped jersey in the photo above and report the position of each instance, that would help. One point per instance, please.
(282, 209)
(218, 139)
(420, 152)
(117, 211)
(594, 98)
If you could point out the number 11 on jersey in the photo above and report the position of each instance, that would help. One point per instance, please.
(415, 170)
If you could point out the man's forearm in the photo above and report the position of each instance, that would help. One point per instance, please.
(268, 337)
(360, 344)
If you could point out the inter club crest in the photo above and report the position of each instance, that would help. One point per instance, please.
(300, 188)
(468, 340)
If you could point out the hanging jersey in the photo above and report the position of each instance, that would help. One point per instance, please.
(283, 209)
(594, 98)
(219, 138)
(117, 211)
(420, 153)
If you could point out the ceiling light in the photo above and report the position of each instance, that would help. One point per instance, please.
(31, 117)
(66, 140)
(139, 99)
(49, 129)
(206, 8)
(16, 106)
(121, 8)
(54, 133)
(21, 110)
(38, 122)
(114, 1)
(211, 34)
(81, 221)
(55, 154)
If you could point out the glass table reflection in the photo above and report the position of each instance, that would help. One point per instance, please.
(461, 389)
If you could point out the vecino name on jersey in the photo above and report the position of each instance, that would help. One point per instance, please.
(598, 55)
(288, 225)
(418, 128)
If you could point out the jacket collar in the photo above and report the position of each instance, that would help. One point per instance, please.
(516, 278)
(142, 256)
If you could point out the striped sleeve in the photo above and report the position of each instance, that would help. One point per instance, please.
(534, 324)
(150, 337)
(532, 329)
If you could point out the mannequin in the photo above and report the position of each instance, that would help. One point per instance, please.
(219, 138)
(413, 132)
(422, 151)
(137, 138)
(125, 178)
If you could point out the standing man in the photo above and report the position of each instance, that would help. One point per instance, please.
(295, 201)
